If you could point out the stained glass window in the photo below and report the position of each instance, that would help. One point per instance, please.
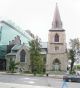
(22, 56)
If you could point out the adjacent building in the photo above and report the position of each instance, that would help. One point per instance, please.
(13, 45)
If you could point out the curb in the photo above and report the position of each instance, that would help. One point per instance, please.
(32, 75)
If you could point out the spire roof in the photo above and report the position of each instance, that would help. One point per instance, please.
(57, 23)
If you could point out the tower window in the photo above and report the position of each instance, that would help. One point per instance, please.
(56, 48)
(56, 38)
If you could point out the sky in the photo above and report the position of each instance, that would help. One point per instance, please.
(37, 15)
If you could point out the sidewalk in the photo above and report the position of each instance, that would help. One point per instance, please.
(13, 85)
(5, 73)
(22, 74)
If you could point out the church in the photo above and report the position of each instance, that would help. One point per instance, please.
(15, 46)
(57, 48)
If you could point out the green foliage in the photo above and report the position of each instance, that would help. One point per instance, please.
(74, 45)
(77, 67)
(13, 66)
(27, 72)
(72, 58)
(72, 72)
(35, 56)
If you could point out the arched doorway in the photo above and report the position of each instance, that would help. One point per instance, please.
(56, 65)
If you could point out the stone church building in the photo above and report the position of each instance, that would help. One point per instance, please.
(15, 46)
(57, 49)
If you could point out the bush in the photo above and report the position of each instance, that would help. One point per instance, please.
(72, 72)
(77, 66)
(27, 72)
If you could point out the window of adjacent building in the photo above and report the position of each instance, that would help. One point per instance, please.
(22, 56)
(56, 48)
(56, 39)
(0, 32)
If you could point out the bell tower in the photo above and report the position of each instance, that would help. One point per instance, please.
(57, 55)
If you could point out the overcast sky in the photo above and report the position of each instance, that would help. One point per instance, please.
(37, 15)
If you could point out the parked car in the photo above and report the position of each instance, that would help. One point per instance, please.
(71, 78)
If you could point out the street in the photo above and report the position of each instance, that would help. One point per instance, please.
(17, 81)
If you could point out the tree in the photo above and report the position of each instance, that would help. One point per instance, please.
(72, 58)
(73, 52)
(74, 44)
(13, 65)
(35, 56)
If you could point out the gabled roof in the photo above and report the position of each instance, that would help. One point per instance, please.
(16, 47)
(11, 54)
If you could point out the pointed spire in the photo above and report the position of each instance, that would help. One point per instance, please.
(57, 23)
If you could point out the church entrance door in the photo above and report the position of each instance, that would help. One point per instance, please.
(56, 65)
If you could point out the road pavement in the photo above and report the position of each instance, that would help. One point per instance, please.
(18, 81)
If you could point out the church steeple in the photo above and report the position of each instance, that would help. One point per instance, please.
(57, 23)
(56, 54)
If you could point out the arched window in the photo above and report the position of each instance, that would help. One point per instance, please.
(56, 38)
(22, 56)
